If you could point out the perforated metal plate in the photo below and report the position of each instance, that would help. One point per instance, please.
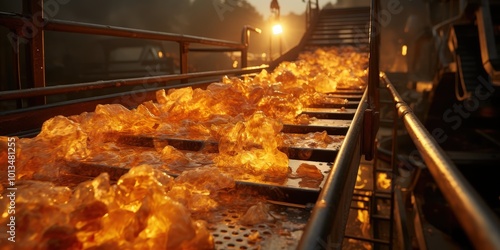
(281, 234)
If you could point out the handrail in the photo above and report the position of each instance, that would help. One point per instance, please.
(478, 221)
(63, 89)
(460, 15)
(338, 184)
(487, 44)
(292, 53)
(29, 28)
(15, 21)
(245, 40)
(310, 15)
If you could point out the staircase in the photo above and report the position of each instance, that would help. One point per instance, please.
(337, 27)
(468, 54)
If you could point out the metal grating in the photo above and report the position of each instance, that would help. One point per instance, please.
(281, 234)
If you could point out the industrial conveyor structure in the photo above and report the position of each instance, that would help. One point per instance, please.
(305, 217)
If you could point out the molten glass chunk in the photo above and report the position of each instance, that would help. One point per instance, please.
(310, 174)
(138, 212)
(256, 214)
(313, 140)
(250, 149)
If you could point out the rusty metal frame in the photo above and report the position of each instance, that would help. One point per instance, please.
(31, 118)
(33, 36)
(77, 87)
(29, 29)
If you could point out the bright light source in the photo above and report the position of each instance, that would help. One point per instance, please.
(404, 50)
(160, 54)
(235, 64)
(277, 29)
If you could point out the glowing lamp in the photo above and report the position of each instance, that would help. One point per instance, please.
(277, 29)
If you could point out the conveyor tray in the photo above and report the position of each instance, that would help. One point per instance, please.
(330, 113)
(283, 233)
(348, 96)
(283, 230)
(348, 105)
(347, 91)
(332, 127)
(292, 190)
(297, 151)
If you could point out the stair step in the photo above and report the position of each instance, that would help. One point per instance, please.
(339, 27)
(341, 24)
(338, 32)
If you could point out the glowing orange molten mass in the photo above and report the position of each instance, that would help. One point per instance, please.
(145, 209)
(250, 149)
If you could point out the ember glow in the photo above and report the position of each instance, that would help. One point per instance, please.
(383, 181)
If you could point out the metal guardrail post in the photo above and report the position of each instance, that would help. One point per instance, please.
(17, 66)
(35, 50)
(372, 113)
(311, 12)
(183, 58)
(394, 198)
(245, 40)
(374, 69)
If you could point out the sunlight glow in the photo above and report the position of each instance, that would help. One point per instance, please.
(277, 29)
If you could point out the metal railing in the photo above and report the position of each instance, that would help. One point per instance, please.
(334, 201)
(28, 29)
(479, 222)
(312, 10)
(487, 41)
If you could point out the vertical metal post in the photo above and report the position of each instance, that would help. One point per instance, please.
(245, 41)
(394, 168)
(372, 113)
(281, 44)
(17, 67)
(35, 50)
(307, 17)
(244, 57)
(310, 12)
(271, 46)
(183, 57)
(245, 36)
(316, 12)
(374, 70)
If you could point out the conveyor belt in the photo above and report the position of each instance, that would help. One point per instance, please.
(334, 122)
(291, 201)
